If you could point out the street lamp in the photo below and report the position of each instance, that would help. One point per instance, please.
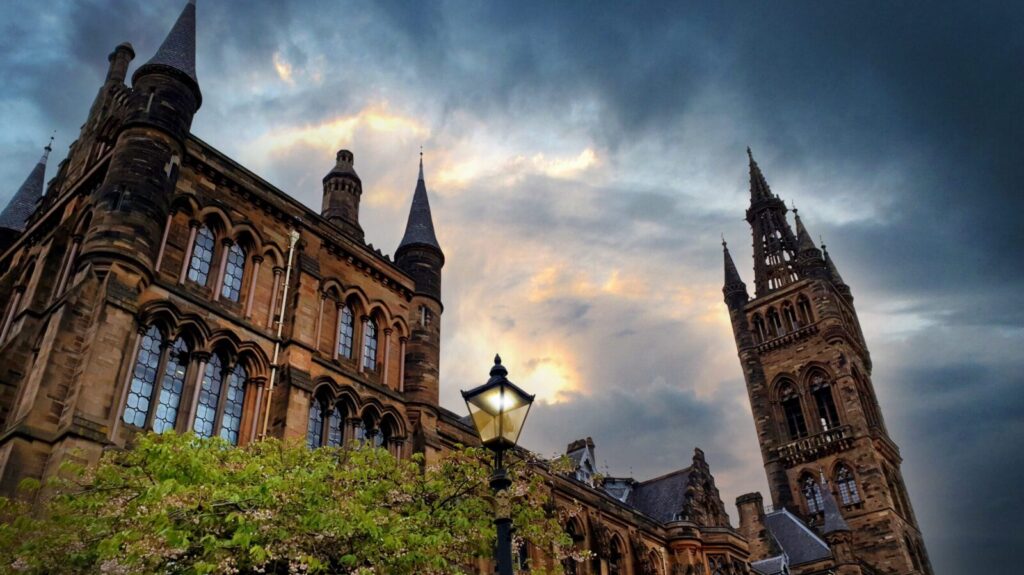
(499, 409)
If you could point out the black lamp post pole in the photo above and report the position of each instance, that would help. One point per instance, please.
(503, 549)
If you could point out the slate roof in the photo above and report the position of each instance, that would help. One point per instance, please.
(770, 566)
(419, 231)
(24, 201)
(797, 540)
(179, 48)
(661, 498)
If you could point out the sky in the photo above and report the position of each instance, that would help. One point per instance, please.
(584, 161)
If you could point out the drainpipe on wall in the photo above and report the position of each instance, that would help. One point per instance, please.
(293, 238)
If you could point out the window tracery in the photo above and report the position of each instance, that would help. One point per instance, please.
(370, 345)
(202, 256)
(848, 493)
(812, 494)
(792, 409)
(821, 389)
(233, 272)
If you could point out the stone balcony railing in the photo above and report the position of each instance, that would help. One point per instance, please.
(815, 446)
(788, 338)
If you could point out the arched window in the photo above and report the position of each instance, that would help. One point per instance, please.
(759, 331)
(615, 563)
(209, 397)
(848, 493)
(792, 410)
(383, 436)
(775, 328)
(789, 317)
(803, 306)
(231, 417)
(812, 494)
(140, 390)
(821, 389)
(346, 330)
(233, 272)
(370, 345)
(170, 387)
(569, 564)
(336, 426)
(202, 256)
(523, 558)
(315, 425)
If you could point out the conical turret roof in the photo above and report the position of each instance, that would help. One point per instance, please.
(803, 239)
(21, 206)
(419, 231)
(832, 269)
(178, 51)
(732, 276)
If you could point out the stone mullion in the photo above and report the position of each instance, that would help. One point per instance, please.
(257, 404)
(387, 357)
(66, 271)
(165, 351)
(163, 243)
(225, 247)
(254, 277)
(401, 363)
(12, 311)
(273, 296)
(197, 386)
(193, 229)
(319, 321)
(218, 419)
(363, 321)
(119, 412)
(337, 331)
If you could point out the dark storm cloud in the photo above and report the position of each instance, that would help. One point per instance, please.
(897, 126)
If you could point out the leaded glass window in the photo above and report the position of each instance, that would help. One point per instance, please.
(170, 387)
(233, 272)
(231, 419)
(370, 346)
(847, 486)
(793, 411)
(346, 329)
(140, 392)
(202, 256)
(315, 427)
(812, 494)
(209, 397)
(336, 426)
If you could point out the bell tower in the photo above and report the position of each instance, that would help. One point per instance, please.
(808, 375)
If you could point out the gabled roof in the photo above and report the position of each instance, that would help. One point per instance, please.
(661, 498)
(770, 566)
(795, 538)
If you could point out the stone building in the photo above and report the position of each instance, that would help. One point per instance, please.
(159, 285)
(833, 471)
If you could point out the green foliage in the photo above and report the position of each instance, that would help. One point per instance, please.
(180, 504)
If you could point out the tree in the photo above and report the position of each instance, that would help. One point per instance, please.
(181, 504)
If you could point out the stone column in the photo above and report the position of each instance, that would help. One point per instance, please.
(225, 247)
(193, 226)
(387, 357)
(256, 261)
(401, 363)
(273, 296)
(319, 321)
(201, 359)
(163, 244)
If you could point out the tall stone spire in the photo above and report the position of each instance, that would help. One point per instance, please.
(734, 289)
(177, 54)
(775, 245)
(759, 189)
(803, 239)
(21, 206)
(419, 230)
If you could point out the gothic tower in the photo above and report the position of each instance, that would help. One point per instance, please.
(420, 256)
(808, 375)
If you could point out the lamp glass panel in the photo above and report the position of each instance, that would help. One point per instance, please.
(512, 423)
